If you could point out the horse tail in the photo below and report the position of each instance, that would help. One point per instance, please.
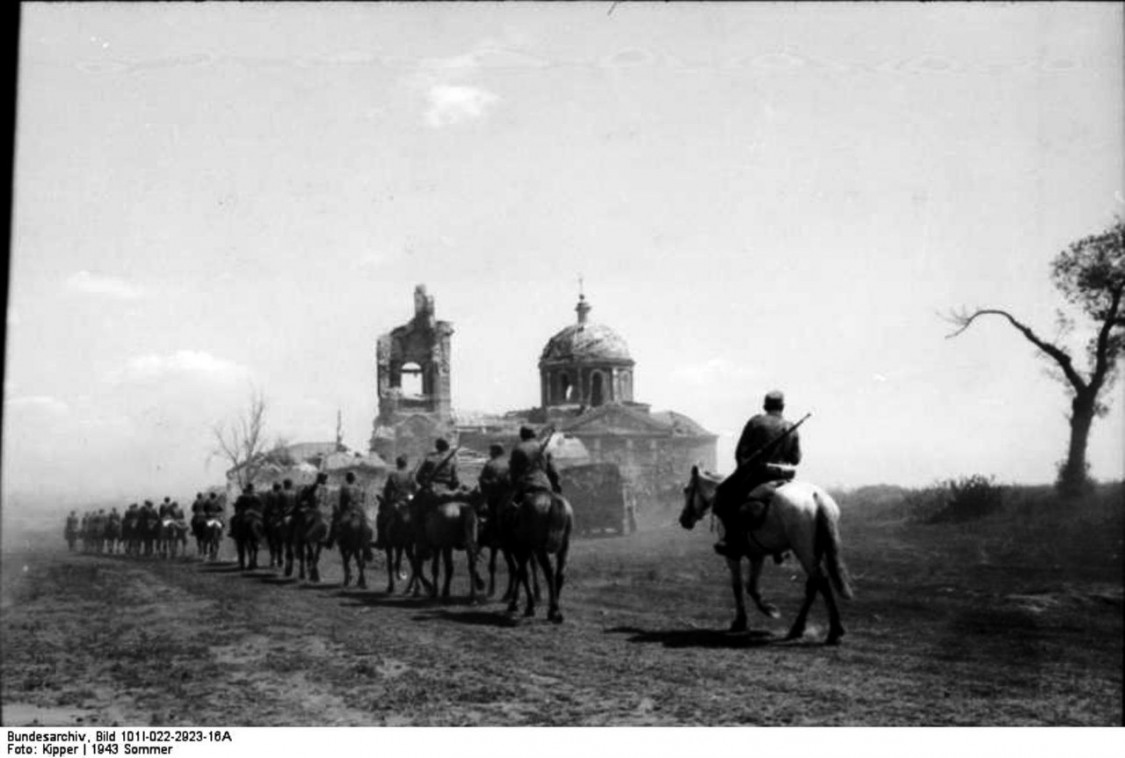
(558, 524)
(469, 526)
(828, 545)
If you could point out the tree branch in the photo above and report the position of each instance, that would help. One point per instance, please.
(1103, 360)
(1060, 356)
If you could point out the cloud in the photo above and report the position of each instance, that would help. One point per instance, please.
(87, 283)
(46, 403)
(181, 363)
(451, 104)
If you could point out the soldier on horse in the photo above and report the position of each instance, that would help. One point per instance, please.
(397, 492)
(767, 451)
(530, 466)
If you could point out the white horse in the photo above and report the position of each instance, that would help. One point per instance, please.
(801, 517)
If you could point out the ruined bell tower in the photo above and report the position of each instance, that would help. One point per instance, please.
(413, 382)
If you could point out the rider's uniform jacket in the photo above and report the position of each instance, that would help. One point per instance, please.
(531, 467)
(438, 472)
(351, 499)
(493, 476)
(399, 487)
(760, 431)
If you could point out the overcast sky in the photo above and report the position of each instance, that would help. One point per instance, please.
(214, 196)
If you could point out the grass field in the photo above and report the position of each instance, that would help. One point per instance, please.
(1007, 619)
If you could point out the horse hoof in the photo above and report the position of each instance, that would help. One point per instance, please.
(555, 616)
(528, 613)
(771, 611)
(795, 634)
(738, 625)
(834, 636)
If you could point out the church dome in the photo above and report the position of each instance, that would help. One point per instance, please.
(585, 342)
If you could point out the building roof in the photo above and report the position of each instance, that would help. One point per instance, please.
(585, 341)
(623, 419)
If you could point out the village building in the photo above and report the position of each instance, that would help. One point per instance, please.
(586, 393)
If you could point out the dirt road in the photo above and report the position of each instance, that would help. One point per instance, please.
(946, 628)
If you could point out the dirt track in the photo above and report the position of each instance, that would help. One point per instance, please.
(946, 628)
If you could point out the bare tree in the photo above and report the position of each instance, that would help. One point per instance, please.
(1090, 274)
(242, 441)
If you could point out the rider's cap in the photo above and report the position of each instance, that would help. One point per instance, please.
(775, 400)
(496, 449)
(441, 444)
(527, 433)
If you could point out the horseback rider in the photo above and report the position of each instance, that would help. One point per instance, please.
(310, 496)
(437, 476)
(287, 499)
(398, 490)
(350, 502)
(755, 467)
(530, 466)
(271, 502)
(165, 508)
(213, 508)
(175, 512)
(197, 506)
(493, 483)
(248, 500)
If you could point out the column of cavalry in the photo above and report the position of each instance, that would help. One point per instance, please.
(516, 509)
(142, 530)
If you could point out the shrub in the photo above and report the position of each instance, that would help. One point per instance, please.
(968, 498)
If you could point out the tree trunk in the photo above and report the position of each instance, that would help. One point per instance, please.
(1073, 478)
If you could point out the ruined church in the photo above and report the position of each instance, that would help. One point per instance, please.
(586, 393)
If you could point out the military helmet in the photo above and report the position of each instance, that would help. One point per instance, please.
(775, 401)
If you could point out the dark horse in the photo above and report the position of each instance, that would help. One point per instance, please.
(800, 517)
(398, 540)
(541, 527)
(71, 532)
(148, 530)
(276, 530)
(247, 531)
(308, 531)
(353, 536)
(173, 537)
(439, 530)
(497, 531)
(208, 535)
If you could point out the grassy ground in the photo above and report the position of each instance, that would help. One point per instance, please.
(1014, 618)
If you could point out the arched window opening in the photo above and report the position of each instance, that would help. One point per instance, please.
(411, 380)
(597, 390)
(566, 389)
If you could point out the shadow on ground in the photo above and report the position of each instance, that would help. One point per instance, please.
(705, 638)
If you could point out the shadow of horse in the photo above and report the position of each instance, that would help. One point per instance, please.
(273, 579)
(223, 567)
(495, 619)
(701, 638)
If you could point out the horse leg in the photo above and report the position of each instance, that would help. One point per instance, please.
(768, 609)
(391, 568)
(552, 588)
(835, 627)
(492, 571)
(812, 585)
(735, 567)
(535, 581)
(314, 562)
(361, 564)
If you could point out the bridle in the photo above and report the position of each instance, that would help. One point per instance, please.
(692, 493)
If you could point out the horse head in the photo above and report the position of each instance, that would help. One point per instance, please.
(699, 494)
